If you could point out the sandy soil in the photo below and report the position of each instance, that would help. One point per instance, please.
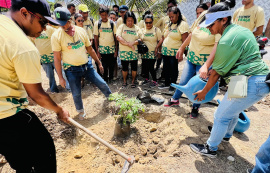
(159, 139)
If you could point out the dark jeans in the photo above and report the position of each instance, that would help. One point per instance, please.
(49, 69)
(148, 67)
(170, 65)
(74, 75)
(26, 143)
(108, 62)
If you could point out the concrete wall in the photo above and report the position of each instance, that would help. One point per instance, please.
(188, 9)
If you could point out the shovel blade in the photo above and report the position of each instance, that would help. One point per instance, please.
(127, 164)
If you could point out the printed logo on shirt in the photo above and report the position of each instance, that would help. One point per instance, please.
(42, 36)
(109, 30)
(130, 32)
(174, 31)
(204, 29)
(244, 19)
(75, 45)
(89, 26)
(149, 35)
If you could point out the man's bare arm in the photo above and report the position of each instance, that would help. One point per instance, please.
(36, 93)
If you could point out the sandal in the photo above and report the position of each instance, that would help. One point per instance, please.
(124, 85)
(133, 85)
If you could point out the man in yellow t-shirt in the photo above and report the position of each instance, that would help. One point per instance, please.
(88, 22)
(25, 142)
(72, 42)
(43, 44)
(106, 43)
(250, 16)
(123, 9)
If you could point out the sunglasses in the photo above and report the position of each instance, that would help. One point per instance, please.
(42, 22)
(80, 20)
(148, 23)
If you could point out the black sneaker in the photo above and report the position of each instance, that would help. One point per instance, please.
(203, 149)
(194, 113)
(171, 89)
(171, 103)
(224, 139)
(163, 86)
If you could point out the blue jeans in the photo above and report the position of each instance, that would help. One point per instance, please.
(74, 75)
(263, 158)
(189, 71)
(49, 69)
(227, 113)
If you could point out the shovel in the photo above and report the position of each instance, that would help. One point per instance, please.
(129, 159)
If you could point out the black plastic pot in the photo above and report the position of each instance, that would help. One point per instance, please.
(122, 130)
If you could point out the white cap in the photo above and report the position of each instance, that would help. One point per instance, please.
(212, 17)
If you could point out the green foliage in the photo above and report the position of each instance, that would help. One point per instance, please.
(3, 9)
(51, 5)
(129, 108)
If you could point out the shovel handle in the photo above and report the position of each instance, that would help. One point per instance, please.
(73, 122)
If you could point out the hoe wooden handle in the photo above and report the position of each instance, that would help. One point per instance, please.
(129, 159)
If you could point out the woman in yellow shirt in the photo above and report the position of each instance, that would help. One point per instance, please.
(79, 22)
(151, 36)
(201, 43)
(174, 34)
(128, 35)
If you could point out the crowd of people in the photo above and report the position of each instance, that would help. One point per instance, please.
(218, 44)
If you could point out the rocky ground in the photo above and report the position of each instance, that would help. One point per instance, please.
(159, 139)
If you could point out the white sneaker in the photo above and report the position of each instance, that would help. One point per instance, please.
(82, 115)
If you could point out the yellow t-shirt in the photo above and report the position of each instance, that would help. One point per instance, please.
(151, 38)
(119, 22)
(43, 44)
(72, 48)
(173, 38)
(88, 23)
(89, 32)
(164, 21)
(19, 63)
(249, 18)
(202, 42)
(106, 37)
(128, 34)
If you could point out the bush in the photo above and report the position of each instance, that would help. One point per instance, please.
(129, 108)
